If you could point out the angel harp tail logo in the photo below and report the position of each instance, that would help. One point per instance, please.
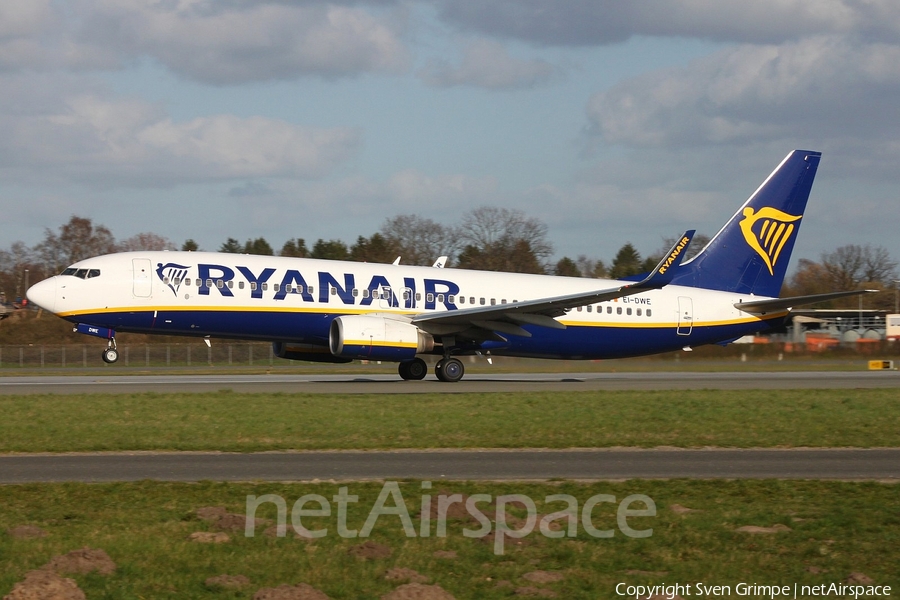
(172, 275)
(767, 231)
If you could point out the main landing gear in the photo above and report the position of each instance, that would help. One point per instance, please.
(413, 369)
(447, 369)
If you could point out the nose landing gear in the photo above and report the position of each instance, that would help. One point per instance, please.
(111, 355)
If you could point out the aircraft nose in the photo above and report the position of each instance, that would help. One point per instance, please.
(43, 294)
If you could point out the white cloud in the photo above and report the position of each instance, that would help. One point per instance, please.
(205, 40)
(86, 137)
(827, 90)
(487, 64)
(582, 23)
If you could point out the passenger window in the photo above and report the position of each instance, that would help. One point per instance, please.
(275, 287)
(440, 298)
(589, 308)
(648, 312)
(638, 312)
(220, 284)
(472, 300)
(253, 286)
(493, 302)
(406, 294)
(365, 293)
(618, 310)
(177, 281)
(482, 302)
(462, 299)
(333, 291)
(240, 285)
(354, 292)
(628, 311)
(429, 297)
(418, 297)
(450, 299)
(230, 284)
(578, 309)
(265, 286)
(187, 282)
(503, 301)
(165, 280)
(199, 283)
(311, 289)
(209, 283)
(609, 310)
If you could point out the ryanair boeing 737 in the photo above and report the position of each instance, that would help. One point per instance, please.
(331, 311)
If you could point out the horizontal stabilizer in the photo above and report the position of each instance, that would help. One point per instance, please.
(764, 306)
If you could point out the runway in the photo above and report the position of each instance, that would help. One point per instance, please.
(843, 464)
(474, 382)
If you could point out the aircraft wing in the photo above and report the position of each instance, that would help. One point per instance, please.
(764, 306)
(508, 318)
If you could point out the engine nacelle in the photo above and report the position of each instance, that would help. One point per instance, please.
(377, 338)
(310, 352)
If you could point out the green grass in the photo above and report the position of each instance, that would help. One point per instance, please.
(838, 527)
(240, 422)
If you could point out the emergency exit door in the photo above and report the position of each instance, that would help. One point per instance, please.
(685, 315)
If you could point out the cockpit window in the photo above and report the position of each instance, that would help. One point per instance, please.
(82, 273)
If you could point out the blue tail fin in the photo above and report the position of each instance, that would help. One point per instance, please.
(750, 254)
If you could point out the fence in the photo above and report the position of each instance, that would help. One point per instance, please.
(141, 355)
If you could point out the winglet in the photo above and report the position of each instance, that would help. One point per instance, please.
(664, 272)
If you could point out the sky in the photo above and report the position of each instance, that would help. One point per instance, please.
(609, 121)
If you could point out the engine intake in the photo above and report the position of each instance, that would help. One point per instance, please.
(377, 338)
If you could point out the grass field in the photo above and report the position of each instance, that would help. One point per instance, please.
(835, 529)
(240, 422)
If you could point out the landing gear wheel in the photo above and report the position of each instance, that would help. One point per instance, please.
(413, 369)
(449, 369)
(110, 355)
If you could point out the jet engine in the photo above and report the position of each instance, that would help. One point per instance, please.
(377, 338)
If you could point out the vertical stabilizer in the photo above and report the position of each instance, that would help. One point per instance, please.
(751, 252)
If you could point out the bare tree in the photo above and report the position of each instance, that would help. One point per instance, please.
(146, 241)
(850, 266)
(77, 239)
(419, 241)
(590, 267)
(500, 239)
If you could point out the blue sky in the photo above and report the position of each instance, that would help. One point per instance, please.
(609, 121)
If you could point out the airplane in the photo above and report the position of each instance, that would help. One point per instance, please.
(336, 311)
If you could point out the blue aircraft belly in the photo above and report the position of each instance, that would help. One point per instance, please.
(574, 342)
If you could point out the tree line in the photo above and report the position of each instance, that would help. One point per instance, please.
(487, 238)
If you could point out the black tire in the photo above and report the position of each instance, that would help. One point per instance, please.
(417, 369)
(403, 370)
(110, 355)
(449, 370)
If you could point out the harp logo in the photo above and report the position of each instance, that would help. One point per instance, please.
(767, 231)
(172, 275)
